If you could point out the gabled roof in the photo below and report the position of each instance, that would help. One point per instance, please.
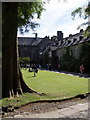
(37, 41)
(72, 42)
(28, 41)
(25, 40)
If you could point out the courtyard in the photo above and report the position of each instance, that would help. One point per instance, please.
(52, 86)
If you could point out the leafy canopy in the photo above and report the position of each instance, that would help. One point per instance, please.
(83, 12)
(26, 15)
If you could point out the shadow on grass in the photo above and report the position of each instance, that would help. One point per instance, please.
(31, 76)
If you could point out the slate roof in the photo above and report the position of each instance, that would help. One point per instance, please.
(28, 41)
(72, 42)
(36, 42)
(44, 51)
(52, 47)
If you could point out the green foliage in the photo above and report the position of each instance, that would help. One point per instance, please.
(26, 14)
(87, 10)
(21, 100)
(85, 56)
(77, 11)
(67, 60)
(69, 63)
(87, 32)
(83, 12)
(24, 61)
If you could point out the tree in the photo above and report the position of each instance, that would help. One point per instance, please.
(15, 15)
(24, 61)
(83, 12)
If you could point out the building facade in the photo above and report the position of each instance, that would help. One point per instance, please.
(55, 50)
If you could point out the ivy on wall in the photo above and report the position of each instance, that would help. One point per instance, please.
(69, 63)
(85, 56)
(67, 60)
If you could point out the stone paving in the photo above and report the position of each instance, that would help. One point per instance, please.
(61, 113)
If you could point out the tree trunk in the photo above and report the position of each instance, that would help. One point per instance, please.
(12, 81)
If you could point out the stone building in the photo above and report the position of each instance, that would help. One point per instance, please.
(32, 47)
(74, 42)
(55, 50)
(69, 51)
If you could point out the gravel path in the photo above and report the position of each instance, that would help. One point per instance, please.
(50, 106)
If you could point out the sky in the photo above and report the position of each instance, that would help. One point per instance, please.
(57, 17)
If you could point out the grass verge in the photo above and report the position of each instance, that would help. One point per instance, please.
(54, 85)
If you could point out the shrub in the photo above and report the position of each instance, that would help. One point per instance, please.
(24, 61)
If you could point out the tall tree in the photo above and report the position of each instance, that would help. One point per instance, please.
(15, 15)
(83, 12)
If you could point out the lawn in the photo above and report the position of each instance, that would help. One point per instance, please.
(54, 85)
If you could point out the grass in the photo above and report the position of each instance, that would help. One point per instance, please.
(54, 85)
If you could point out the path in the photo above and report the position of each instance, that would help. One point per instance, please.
(72, 111)
(72, 73)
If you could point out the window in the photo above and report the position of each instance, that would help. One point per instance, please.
(80, 37)
(61, 42)
(69, 41)
(74, 40)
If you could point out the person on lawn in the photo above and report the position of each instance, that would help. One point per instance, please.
(81, 69)
(35, 70)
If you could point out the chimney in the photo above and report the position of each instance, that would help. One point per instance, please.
(59, 36)
(81, 30)
(70, 35)
(36, 35)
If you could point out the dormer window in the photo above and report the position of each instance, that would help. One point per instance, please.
(57, 43)
(74, 40)
(49, 48)
(80, 37)
(61, 42)
(69, 41)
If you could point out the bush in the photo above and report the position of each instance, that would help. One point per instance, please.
(24, 61)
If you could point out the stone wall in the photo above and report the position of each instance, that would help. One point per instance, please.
(60, 52)
(76, 51)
